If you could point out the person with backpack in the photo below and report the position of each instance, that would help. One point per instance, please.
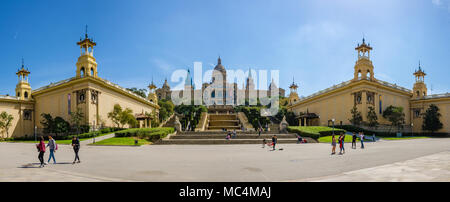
(353, 141)
(76, 148)
(41, 149)
(53, 147)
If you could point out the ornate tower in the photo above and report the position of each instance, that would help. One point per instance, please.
(86, 65)
(293, 96)
(152, 94)
(420, 88)
(219, 80)
(363, 66)
(23, 88)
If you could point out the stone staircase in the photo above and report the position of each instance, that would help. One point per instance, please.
(223, 121)
(218, 137)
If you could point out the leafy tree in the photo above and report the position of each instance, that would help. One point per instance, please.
(395, 115)
(431, 120)
(127, 117)
(55, 125)
(141, 92)
(166, 109)
(372, 117)
(115, 115)
(190, 114)
(6, 121)
(122, 117)
(76, 118)
(61, 126)
(356, 116)
(290, 116)
(48, 123)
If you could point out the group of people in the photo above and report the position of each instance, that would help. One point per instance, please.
(341, 140)
(273, 143)
(41, 147)
(231, 134)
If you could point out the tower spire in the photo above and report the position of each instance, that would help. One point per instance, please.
(86, 34)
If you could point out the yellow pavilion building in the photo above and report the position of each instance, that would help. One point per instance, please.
(95, 97)
(364, 91)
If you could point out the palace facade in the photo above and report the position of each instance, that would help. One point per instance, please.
(86, 91)
(364, 91)
(227, 89)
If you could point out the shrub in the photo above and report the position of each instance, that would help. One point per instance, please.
(151, 134)
(314, 131)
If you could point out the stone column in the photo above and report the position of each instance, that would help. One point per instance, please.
(364, 105)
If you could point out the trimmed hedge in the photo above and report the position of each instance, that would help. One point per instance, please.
(356, 129)
(150, 134)
(314, 132)
(68, 137)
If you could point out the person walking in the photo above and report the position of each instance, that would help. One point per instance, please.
(362, 140)
(264, 143)
(374, 138)
(53, 147)
(259, 131)
(333, 145)
(341, 144)
(274, 141)
(234, 134)
(76, 148)
(353, 140)
(41, 149)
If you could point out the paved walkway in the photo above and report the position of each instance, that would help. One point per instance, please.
(400, 160)
(431, 168)
(97, 139)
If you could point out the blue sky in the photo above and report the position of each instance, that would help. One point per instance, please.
(311, 40)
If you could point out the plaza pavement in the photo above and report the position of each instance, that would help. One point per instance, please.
(400, 160)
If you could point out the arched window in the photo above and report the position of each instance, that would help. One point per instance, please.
(213, 94)
(418, 93)
(92, 71)
(26, 94)
(82, 71)
(368, 74)
(359, 74)
(18, 94)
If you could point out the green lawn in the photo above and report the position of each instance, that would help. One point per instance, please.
(122, 141)
(404, 138)
(348, 138)
(316, 129)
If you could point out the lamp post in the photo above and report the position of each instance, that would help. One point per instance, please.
(93, 128)
(412, 129)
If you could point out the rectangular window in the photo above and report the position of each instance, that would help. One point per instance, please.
(69, 110)
(381, 106)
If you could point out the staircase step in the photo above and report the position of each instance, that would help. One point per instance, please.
(238, 136)
(223, 141)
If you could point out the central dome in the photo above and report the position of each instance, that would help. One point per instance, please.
(219, 67)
